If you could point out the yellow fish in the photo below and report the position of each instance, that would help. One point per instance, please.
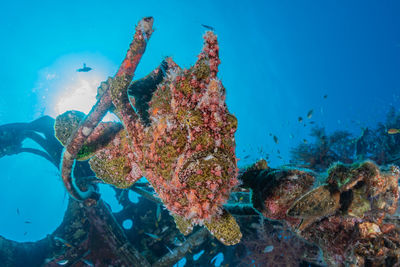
(393, 131)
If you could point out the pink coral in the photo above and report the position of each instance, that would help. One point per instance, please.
(186, 150)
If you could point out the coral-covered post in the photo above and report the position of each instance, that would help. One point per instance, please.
(144, 29)
(181, 138)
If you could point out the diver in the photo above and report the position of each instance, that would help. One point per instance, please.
(84, 69)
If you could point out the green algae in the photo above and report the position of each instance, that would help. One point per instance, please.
(170, 151)
(113, 169)
(65, 126)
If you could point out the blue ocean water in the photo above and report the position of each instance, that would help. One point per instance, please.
(280, 59)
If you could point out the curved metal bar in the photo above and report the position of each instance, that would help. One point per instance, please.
(144, 29)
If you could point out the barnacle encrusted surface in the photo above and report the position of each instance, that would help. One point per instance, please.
(69, 121)
(185, 147)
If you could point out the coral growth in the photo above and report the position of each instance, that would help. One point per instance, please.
(187, 152)
(374, 143)
(184, 145)
(350, 217)
(326, 150)
(367, 195)
(67, 122)
(276, 245)
(270, 189)
(345, 216)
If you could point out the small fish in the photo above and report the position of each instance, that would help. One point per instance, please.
(278, 151)
(300, 119)
(276, 139)
(268, 249)
(63, 241)
(28, 222)
(310, 113)
(165, 228)
(270, 134)
(18, 211)
(170, 250)
(312, 122)
(25, 233)
(208, 27)
(152, 235)
(88, 262)
(246, 157)
(393, 131)
(158, 212)
(305, 141)
(84, 69)
(62, 262)
(325, 96)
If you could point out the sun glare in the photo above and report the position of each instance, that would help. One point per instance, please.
(61, 88)
(79, 95)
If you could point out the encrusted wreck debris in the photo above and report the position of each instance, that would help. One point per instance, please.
(184, 144)
(358, 230)
(348, 217)
(176, 131)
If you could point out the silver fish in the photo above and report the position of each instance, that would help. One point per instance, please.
(158, 212)
(170, 250)
(62, 262)
(88, 262)
(268, 249)
(152, 235)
